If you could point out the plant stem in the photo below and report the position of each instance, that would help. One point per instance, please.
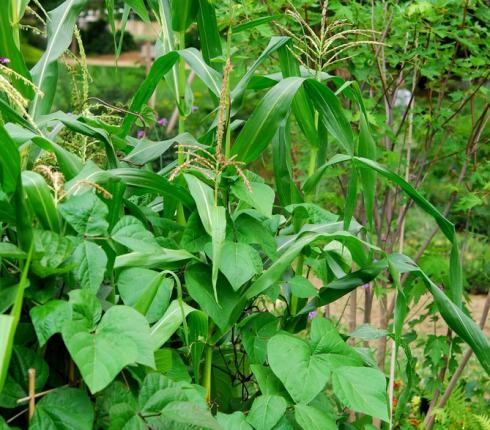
(208, 363)
(181, 91)
(299, 272)
(15, 22)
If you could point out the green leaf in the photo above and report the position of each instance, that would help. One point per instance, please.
(265, 119)
(9, 162)
(140, 8)
(194, 237)
(293, 246)
(86, 214)
(198, 334)
(160, 67)
(44, 74)
(10, 50)
(287, 190)
(40, 200)
(266, 411)
(146, 290)
(153, 183)
(331, 113)
(121, 338)
(199, 285)
(131, 232)
(208, 75)
(162, 330)
(213, 219)
(63, 409)
(368, 332)
(268, 382)
(362, 389)
(235, 421)
(159, 258)
(189, 413)
(239, 263)
(367, 149)
(256, 330)
(85, 306)
(91, 262)
(52, 253)
(310, 418)
(302, 106)
(17, 383)
(302, 287)
(303, 373)
(183, 12)
(148, 150)
(209, 36)
(455, 318)
(9, 250)
(261, 197)
(50, 318)
(253, 23)
(237, 94)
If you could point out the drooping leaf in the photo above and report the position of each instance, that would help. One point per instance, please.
(164, 328)
(144, 288)
(40, 200)
(213, 219)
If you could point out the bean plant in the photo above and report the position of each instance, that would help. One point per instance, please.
(167, 285)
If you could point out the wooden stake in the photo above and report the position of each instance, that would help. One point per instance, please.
(32, 392)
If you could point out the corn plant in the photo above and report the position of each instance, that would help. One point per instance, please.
(182, 295)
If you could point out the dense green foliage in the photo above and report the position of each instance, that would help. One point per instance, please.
(161, 282)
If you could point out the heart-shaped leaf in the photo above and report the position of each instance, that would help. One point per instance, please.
(239, 262)
(362, 389)
(121, 338)
(266, 411)
(91, 262)
(86, 214)
(303, 373)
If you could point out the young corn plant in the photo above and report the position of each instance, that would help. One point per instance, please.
(185, 297)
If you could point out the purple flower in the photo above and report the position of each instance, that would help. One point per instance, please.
(141, 134)
(4, 60)
(163, 122)
(365, 286)
(312, 315)
(194, 108)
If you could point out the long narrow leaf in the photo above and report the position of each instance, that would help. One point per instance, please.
(44, 74)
